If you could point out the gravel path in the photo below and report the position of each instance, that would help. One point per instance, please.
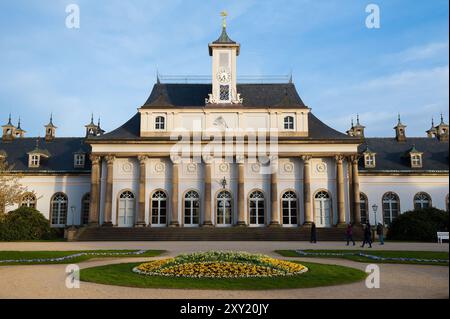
(48, 281)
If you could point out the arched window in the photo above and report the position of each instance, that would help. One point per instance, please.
(257, 208)
(289, 208)
(58, 206)
(127, 205)
(160, 123)
(85, 204)
(191, 208)
(364, 207)
(28, 200)
(224, 208)
(289, 123)
(391, 207)
(422, 200)
(322, 207)
(159, 208)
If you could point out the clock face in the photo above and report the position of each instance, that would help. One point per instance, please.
(224, 75)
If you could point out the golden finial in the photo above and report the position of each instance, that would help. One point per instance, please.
(224, 15)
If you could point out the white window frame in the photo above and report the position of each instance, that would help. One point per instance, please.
(158, 125)
(289, 123)
(34, 160)
(369, 160)
(79, 160)
(416, 160)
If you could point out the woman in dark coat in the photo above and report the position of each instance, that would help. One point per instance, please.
(313, 233)
(367, 235)
(349, 234)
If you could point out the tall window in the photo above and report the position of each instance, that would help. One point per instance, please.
(159, 208)
(127, 204)
(322, 207)
(391, 207)
(422, 200)
(28, 200)
(289, 123)
(364, 207)
(160, 123)
(257, 208)
(224, 208)
(224, 92)
(289, 207)
(85, 204)
(58, 208)
(191, 208)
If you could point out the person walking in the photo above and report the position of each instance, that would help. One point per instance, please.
(380, 233)
(367, 236)
(349, 234)
(313, 234)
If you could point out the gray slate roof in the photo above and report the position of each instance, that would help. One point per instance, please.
(394, 156)
(61, 151)
(254, 95)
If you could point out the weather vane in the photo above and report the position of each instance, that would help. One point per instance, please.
(224, 15)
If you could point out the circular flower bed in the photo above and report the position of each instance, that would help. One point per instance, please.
(220, 265)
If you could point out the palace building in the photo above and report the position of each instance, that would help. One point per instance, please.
(225, 154)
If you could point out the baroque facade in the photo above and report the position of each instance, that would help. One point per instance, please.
(227, 154)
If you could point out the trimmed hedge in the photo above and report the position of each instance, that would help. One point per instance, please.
(419, 225)
(26, 223)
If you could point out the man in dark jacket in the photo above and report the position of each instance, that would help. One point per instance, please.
(313, 234)
(367, 236)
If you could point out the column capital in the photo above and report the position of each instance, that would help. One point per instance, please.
(305, 158)
(110, 159)
(354, 158)
(339, 158)
(176, 159)
(240, 159)
(95, 159)
(208, 159)
(142, 159)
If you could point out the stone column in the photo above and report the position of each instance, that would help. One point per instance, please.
(340, 189)
(207, 219)
(241, 190)
(109, 189)
(356, 191)
(94, 204)
(307, 190)
(274, 208)
(175, 180)
(142, 192)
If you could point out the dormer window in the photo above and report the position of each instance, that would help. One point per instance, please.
(79, 160)
(34, 160)
(289, 123)
(416, 160)
(369, 160)
(160, 123)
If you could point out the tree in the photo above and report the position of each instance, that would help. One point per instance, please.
(11, 190)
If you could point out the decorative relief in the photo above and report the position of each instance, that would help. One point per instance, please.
(321, 167)
(256, 167)
(127, 168)
(191, 168)
(224, 167)
(160, 168)
(288, 167)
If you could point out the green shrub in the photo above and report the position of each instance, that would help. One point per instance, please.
(419, 225)
(25, 223)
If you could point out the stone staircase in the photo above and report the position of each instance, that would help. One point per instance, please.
(212, 234)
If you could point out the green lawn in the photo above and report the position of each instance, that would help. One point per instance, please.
(318, 275)
(15, 255)
(381, 253)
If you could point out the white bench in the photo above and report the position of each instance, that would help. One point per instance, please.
(441, 236)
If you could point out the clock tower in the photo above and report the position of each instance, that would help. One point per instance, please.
(224, 52)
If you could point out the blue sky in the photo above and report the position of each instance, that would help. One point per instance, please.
(108, 66)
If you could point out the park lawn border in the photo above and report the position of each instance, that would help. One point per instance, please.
(10, 255)
(380, 253)
(318, 275)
